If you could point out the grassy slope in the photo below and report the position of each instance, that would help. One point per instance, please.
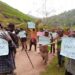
(9, 14)
(52, 69)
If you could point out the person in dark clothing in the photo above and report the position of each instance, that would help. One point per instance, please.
(53, 41)
(11, 31)
(17, 40)
(60, 57)
(7, 62)
(52, 45)
(68, 73)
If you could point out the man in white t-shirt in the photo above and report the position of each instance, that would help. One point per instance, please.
(22, 35)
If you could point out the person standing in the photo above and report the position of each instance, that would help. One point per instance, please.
(33, 39)
(7, 62)
(11, 31)
(70, 64)
(53, 41)
(23, 38)
(52, 45)
(60, 57)
(44, 47)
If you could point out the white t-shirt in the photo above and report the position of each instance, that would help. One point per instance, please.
(54, 34)
(22, 34)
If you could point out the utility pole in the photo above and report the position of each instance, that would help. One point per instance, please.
(45, 12)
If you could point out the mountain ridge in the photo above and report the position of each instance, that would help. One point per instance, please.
(65, 18)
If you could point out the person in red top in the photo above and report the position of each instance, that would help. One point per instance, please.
(33, 37)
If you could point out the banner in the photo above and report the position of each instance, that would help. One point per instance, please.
(68, 47)
(4, 48)
(31, 25)
(44, 40)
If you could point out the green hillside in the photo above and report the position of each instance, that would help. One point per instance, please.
(11, 15)
(64, 19)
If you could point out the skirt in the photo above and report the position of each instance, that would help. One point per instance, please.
(23, 39)
(7, 63)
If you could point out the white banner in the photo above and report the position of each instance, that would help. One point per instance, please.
(68, 47)
(44, 40)
(31, 25)
(4, 48)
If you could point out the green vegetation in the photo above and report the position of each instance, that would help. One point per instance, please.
(66, 19)
(11, 15)
(53, 69)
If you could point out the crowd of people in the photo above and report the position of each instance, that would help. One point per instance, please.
(12, 36)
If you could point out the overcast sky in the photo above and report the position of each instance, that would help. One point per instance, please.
(37, 7)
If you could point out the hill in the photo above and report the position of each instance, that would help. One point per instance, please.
(11, 15)
(66, 19)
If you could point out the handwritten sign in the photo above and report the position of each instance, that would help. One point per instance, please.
(4, 49)
(44, 40)
(68, 47)
(31, 25)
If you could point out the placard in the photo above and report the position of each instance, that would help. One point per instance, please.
(4, 48)
(44, 40)
(68, 47)
(31, 25)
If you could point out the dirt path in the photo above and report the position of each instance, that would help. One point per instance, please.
(23, 66)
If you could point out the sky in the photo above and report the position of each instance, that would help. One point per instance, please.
(41, 8)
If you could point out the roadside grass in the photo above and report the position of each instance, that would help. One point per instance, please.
(53, 69)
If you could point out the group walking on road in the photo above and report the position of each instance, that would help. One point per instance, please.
(14, 38)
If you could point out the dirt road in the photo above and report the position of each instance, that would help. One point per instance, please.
(23, 66)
